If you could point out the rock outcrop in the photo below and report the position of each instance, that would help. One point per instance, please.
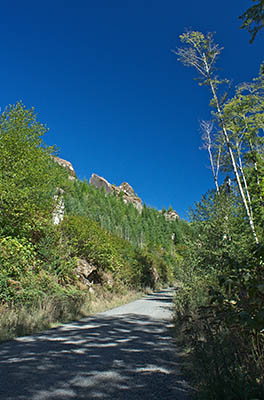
(67, 165)
(84, 271)
(171, 215)
(100, 183)
(58, 212)
(128, 193)
(127, 189)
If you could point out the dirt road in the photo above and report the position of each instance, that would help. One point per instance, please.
(125, 353)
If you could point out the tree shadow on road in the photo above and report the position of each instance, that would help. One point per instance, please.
(123, 357)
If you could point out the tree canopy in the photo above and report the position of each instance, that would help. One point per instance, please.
(253, 19)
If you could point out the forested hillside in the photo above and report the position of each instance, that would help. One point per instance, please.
(101, 242)
(141, 229)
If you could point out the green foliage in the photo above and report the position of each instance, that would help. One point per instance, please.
(150, 228)
(28, 181)
(227, 363)
(244, 119)
(8, 288)
(219, 304)
(23, 279)
(145, 241)
(32, 288)
(253, 19)
(90, 241)
(17, 256)
(34, 313)
(54, 253)
(38, 260)
(201, 52)
(109, 253)
(28, 175)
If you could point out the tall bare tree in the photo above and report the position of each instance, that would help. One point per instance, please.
(207, 128)
(201, 52)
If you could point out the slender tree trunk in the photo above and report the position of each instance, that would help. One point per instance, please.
(206, 137)
(231, 154)
(245, 183)
(213, 169)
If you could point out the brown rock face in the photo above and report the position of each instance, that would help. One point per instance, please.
(67, 165)
(127, 189)
(136, 201)
(100, 182)
(129, 195)
(85, 271)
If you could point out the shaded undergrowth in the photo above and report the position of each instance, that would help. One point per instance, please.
(51, 311)
(222, 360)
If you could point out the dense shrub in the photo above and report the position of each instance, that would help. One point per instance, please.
(219, 305)
(54, 253)
(133, 266)
(17, 256)
(90, 241)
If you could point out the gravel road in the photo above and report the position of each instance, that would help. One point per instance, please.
(126, 353)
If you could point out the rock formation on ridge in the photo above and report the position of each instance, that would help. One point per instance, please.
(67, 165)
(171, 215)
(129, 195)
(58, 212)
(99, 182)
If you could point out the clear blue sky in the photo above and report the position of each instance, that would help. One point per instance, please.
(102, 77)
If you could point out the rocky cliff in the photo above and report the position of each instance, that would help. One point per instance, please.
(171, 215)
(67, 165)
(101, 183)
(129, 195)
(58, 212)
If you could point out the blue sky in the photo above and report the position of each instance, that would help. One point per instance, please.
(101, 76)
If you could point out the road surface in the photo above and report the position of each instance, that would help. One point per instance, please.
(126, 353)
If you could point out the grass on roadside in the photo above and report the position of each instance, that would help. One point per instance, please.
(52, 311)
(221, 361)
